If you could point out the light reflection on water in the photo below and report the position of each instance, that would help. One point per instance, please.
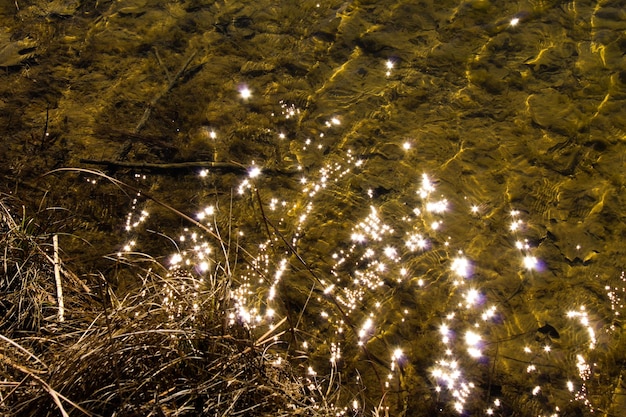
(448, 294)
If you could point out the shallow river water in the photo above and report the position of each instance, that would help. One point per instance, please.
(431, 192)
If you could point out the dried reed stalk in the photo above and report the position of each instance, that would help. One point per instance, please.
(57, 278)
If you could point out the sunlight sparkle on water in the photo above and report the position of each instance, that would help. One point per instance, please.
(472, 338)
(416, 241)
(437, 206)
(245, 92)
(472, 296)
(426, 188)
(254, 172)
(461, 266)
(583, 319)
(389, 64)
(530, 262)
(176, 259)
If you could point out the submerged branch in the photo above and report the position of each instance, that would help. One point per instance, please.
(181, 166)
(171, 166)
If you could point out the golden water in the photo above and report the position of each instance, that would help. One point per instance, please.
(451, 175)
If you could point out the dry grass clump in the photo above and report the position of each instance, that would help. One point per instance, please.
(24, 290)
(166, 348)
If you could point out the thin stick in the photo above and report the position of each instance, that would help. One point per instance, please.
(186, 165)
(57, 277)
(267, 227)
(68, 274)
(44, 134)
(158, 57)
(153, 102)
(168, 166)
(127, 146)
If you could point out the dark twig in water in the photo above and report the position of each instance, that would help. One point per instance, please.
(158, 57)
(172, 166)
(181, 166)
(151, 105)
(44, 134)
(172, 83)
